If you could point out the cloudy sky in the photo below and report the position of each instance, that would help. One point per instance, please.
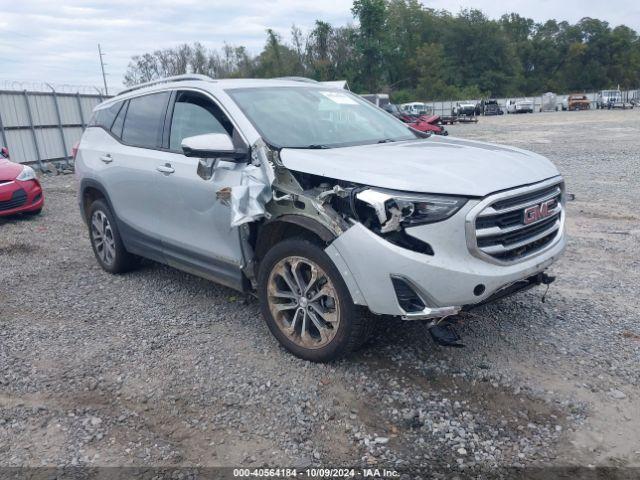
(56, 41)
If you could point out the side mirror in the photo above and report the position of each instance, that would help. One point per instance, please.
(211, 145)
(4, 152)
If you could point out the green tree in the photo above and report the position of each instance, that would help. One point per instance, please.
(404, 28)
(277, 59)
(370, 41)
(318, 51)
(414, 52)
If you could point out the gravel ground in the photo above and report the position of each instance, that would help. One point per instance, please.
(160, 368)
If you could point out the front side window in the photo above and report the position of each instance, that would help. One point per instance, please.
(144, 120)
(195, 114)
(304, 117)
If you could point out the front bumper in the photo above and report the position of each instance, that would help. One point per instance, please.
(445, 281)
(20, 197)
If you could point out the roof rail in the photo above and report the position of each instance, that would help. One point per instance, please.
(297, 79)
(176, 78)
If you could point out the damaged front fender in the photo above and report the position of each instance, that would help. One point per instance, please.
(269, 190)
(249, 199)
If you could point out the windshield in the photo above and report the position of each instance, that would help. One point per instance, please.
(302, 117)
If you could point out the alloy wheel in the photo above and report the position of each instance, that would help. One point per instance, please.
(102, 237)
(303, 302)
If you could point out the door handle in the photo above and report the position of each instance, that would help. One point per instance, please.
(107, 158)
(166, 168)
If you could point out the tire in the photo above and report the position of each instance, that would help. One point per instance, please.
(106, 241)
(345, 326)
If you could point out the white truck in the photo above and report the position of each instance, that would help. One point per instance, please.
(415, 108)
(519, 105)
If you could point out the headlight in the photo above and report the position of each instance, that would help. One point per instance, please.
(27, 173)
(394, 210)
(419, 209)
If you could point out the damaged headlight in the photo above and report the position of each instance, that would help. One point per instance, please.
(417, 210)
(395, 210)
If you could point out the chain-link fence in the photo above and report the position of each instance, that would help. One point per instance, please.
(40, 122)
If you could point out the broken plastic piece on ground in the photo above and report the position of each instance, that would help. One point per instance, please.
(445, 335)
(546, 280)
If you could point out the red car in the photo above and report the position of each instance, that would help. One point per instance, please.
(425, 123)
(422, 123)
(20, 190)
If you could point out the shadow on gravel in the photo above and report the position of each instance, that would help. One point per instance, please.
(19, 217)
(486, 324)
(17, 248)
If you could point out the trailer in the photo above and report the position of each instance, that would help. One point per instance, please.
(549, 102)
(447, 119)
(465, 112)
(378, 99)
(611, 99)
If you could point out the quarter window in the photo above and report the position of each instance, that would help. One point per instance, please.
(144, 120)
(118, 123)
(104, 117)
(194, 114)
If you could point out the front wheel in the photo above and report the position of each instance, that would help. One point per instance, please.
(306, 303)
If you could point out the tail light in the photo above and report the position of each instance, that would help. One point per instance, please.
(74, 150)
(4, 151)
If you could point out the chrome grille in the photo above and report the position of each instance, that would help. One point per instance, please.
(509, 227)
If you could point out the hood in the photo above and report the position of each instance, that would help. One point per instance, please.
(9, 170)
(431, 165)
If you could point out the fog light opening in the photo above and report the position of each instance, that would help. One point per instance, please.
(479, 290)
(408, 299)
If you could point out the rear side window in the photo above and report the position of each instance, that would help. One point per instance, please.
(195, 114)
(144, 120)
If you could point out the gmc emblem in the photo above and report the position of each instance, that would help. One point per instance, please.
(538, 212)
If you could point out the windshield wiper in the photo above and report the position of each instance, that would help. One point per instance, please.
(316, 146)
(386, 140)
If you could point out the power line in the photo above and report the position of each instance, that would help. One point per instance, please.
(104, 75)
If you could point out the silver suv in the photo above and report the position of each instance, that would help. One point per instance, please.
(321, 203)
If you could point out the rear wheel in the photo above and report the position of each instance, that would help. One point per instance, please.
(106, 242)
(306, 303)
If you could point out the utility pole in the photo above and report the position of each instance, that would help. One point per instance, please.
(104, 75)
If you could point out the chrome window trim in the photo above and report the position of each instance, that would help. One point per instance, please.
(220, 105)
(171, 89)
(474, 213)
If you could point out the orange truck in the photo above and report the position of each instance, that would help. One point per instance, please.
(578, 102)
